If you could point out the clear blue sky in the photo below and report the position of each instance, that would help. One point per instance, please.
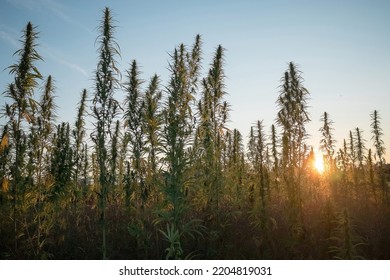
(342, 48)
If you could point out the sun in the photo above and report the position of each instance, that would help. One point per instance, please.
(319, 164)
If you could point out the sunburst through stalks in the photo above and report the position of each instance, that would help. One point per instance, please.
(319, 164)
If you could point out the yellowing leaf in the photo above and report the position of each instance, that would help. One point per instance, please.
(5, 185)
(28, 117)
(4, 142)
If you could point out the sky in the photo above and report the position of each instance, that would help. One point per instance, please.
(341, 47)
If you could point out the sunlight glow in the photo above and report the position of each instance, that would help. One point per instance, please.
(319, 164)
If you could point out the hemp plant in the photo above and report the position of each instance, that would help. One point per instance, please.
(135, 131)
(292, 117)
(380, 151)
(105, 109)
(20, 112)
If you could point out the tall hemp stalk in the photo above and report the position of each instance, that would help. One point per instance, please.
(343, 162)
(21, 111)
(114, 157)
(133, 120)
(275, 156)
(236, 166)
(152, 122)
(380, 150)
(360, 153)
(292, 117)
(213, 111)
(79, 137)
(105, 108)
(41, 149)
(327, 143)
(177, 139)
(370, 165)
(258, 155)
(352, 157)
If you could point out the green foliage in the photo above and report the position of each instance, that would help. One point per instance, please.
(347, 242)
(133, 120)
(292, 118)
(275, 154)
(175, 234)
(213, 111)
(177, 131)
(172, 235)
(327, 143)
(79, 134)
(360, 148)
(258, 157)
(61, 162)
(377, 135)
(152, 122)
(138, 230)
(26, 74)
(105, 108)
(161, 175)
(22, 108)
(293, 115)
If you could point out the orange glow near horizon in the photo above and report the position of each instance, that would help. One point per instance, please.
(319, 164)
